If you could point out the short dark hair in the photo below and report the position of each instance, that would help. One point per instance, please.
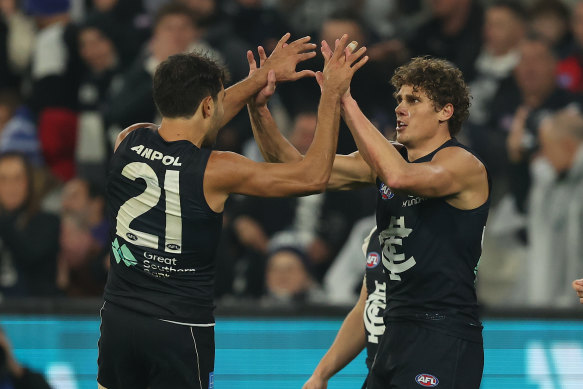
(514, 7)
(175, 8)
(182, 81)
(441, 81)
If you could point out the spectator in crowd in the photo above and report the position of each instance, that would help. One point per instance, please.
(29, 237)
(128, 20)
(103, 73)
(550, 19)
(518, 109)
(570, 69)
(288, 278)
(17, 129)
(556, 212)
(84, 238)
(578, 286)
(504, 30)
(454, 32)
(174, 31)
(257, 23)
(17, 33)
(55, 71)
(214, 28)
(14, 375)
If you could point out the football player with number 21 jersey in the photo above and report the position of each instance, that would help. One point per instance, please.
(166, 192)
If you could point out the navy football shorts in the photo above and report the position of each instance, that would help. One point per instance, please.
(138, 351)
(413, 356)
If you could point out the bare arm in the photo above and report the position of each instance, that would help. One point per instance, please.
(348, 171)
(349, 342)
(451, 171)
(231, 173)
(282, 61)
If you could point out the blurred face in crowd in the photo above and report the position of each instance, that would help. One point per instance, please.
(558, 139)
(502, 30)
(13, 183)
(286, 275)
(104, 5)
(96, 50)
(577, 23)
(75, 197)
(203, 8)
(443, 8)
(535, 73)
(303, 131)
(550, 26)
(334, 29)
(173, 34)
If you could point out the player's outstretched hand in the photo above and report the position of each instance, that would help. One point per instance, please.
(341, 66)
(578, 286)
(315, 383)
(285, 57)
(262, 97)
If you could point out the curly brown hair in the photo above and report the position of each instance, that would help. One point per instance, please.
(441, 81)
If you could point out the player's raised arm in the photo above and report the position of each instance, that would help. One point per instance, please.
(231, 173)
(283, 61)
(450, 172)
(348, 171)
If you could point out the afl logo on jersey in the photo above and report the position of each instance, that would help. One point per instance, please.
(427, 380)
(173, 246)
(373, 260)
(131, 236)
(386, 193)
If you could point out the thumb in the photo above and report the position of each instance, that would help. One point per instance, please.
(320, 78)
(271, 81)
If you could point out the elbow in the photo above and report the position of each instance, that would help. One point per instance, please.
(396, 181)
(317, 183)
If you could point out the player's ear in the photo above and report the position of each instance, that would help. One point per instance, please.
(446, 112)
(207, 105)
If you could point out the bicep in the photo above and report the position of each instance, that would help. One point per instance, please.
(232, 173)
(350, 172)
(449, 173)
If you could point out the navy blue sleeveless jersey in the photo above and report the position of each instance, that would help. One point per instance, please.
(430, 252)
(163, 233)
(376, 286)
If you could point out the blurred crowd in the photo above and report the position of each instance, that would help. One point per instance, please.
(73, 73)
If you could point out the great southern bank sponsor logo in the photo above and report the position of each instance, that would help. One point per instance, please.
(373, 260)
(427, 380)
(386, 193)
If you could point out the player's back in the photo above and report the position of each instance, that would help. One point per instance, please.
(164, 235)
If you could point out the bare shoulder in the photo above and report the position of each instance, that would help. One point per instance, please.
(122, 135)
(459, 161)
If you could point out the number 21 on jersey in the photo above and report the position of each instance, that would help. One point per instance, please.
(148, 199)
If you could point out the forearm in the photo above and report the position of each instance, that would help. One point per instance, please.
(273, 145)
(320, 155)
(349, 342)
(237, 95)
(376, 150)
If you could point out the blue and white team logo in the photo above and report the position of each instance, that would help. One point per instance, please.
(211, 380)
(427, 380)
(373, 260)
(386, 193)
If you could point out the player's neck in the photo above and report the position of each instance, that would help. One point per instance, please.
(421, 149)
(191, 130)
